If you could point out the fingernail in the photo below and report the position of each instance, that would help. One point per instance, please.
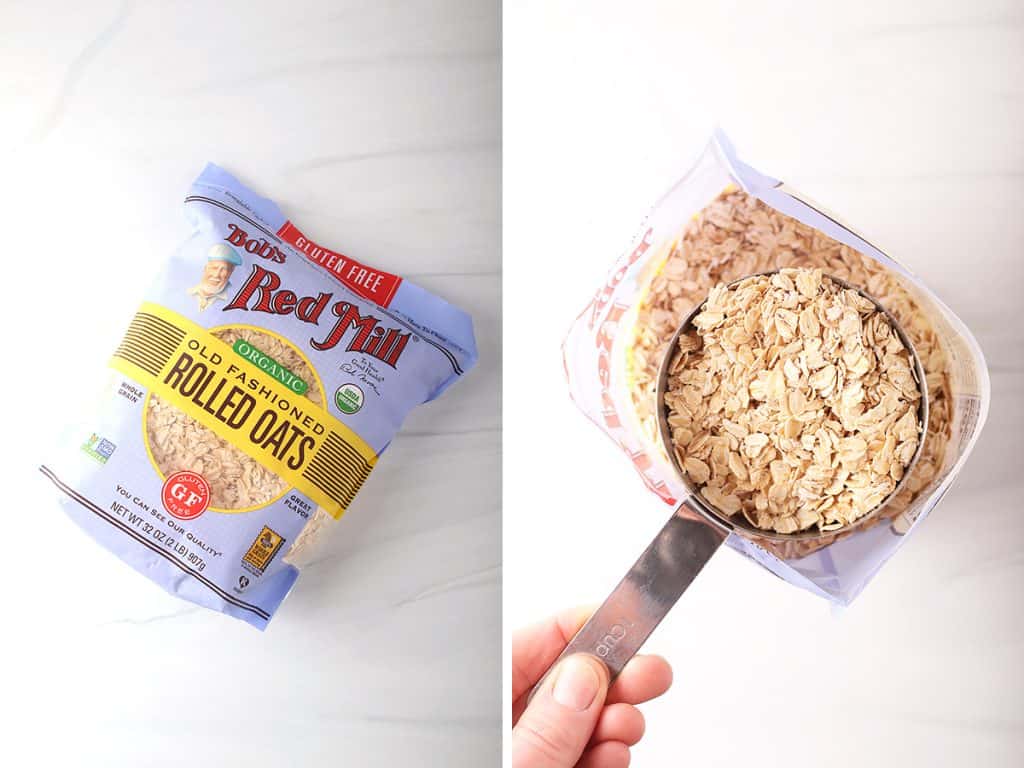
(576, 683)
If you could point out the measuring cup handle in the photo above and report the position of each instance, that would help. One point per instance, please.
(638, 604)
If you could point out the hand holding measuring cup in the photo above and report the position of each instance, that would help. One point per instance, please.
(577, 720)
(819, 437)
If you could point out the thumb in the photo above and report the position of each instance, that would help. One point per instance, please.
(558, 722)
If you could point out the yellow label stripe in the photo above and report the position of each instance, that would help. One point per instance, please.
(149, 343)
(339, 468)
(202, 376)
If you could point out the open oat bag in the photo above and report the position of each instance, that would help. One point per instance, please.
(248, 401)
(722, 221)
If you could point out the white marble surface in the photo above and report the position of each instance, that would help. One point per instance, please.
(376, 126)
(905, 119)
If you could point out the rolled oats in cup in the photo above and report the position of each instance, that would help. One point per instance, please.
(249, 399)
(793, 402)
(832, 422)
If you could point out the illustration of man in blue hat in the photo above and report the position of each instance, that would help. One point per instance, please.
(221, 261)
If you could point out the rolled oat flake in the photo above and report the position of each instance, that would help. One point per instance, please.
(249, 399)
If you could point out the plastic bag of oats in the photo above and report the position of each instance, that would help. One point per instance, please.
(249, 399)
(722, 221)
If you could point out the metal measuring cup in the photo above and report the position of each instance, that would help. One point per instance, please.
(697, 529)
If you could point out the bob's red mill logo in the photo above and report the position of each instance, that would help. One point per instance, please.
(366, 282)
(262, 292)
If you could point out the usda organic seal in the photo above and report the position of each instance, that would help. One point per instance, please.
(348, 398)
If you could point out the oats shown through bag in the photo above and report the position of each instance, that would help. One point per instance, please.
(250, 398)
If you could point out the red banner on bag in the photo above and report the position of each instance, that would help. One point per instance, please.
(379, 287)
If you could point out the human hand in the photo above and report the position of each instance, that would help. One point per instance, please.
(575, 720)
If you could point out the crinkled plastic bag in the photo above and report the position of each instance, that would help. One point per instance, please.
(248, 401)
(723, 220)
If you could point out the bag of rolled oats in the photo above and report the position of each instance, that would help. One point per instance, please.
(722, 221)
(248, 401)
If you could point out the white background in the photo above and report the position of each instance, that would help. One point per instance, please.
(905, 118)
(375, 126)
